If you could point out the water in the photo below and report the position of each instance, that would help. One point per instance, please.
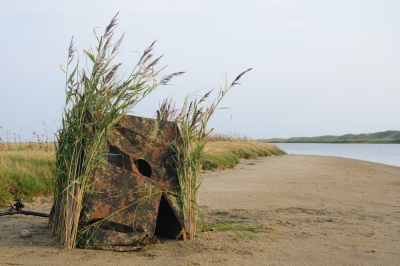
(379, 153)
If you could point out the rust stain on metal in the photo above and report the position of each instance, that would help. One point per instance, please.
(135, 196)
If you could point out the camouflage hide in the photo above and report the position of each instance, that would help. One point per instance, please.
(136, 195)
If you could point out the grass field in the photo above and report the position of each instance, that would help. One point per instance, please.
(26, 170)
(226, 154)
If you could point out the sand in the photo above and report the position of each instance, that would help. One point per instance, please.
(321, 211)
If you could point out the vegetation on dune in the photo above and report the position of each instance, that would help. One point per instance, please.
(96, 99)
(192, 120)
(26, 170)
(389, 136)
(226, 154)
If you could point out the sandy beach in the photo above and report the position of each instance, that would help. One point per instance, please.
(321, 211)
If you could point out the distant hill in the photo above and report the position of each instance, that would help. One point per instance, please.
(390, 136)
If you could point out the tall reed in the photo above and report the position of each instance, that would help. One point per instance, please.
(192, 121)
(96, 99)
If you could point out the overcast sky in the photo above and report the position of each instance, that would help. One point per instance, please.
(319, 67)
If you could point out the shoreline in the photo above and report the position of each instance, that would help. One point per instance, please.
(336, 142)
(376, 153)
(345, 158)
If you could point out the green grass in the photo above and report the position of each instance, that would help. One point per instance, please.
(243, 227)
(228, 226)
(227, 154)
(26, 170)
(242, 230)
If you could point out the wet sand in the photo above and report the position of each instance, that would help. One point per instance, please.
(321, 211)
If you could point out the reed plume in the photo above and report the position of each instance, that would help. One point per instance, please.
(192, 120)
(96, 99)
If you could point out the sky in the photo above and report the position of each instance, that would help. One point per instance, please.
(319, 67)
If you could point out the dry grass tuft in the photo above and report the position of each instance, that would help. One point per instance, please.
(224, 154)
(227, 137)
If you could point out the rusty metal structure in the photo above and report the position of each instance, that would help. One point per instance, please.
(17, 208)
(136, 196)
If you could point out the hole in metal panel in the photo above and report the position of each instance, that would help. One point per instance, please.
(143, 167)
(168, 224)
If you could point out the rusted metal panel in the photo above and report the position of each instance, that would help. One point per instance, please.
(126, 195)
(150, 140)
(105, 239)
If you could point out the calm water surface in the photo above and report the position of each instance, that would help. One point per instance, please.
(379, 153)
